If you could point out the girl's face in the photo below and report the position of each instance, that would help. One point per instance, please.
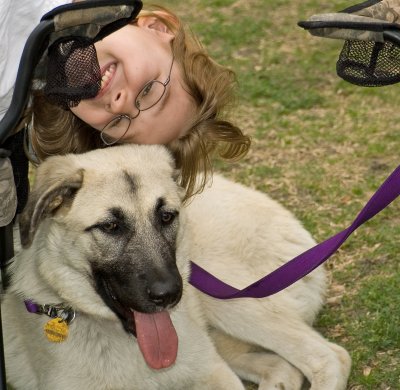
(129, 58)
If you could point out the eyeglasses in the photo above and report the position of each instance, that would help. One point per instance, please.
(147, 98)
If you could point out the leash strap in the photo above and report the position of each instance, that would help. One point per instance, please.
(303, 264)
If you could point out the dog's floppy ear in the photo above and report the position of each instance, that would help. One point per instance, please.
(58, 179)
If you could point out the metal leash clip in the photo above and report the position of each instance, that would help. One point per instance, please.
(65, 313)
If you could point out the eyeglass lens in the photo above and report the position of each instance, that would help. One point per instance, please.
(150, 95)
(115, 130)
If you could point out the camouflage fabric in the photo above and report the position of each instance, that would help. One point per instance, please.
(388, 10)
(356, 22)
(8, 195)
(344, 33)
(83, 22)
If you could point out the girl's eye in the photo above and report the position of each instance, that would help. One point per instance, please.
(146, 90)
(150, 95)
(144, 99)
(117, 121)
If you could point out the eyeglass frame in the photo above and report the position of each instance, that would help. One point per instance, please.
(130, 118)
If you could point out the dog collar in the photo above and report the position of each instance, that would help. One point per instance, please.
(56, 330)
(60, 310)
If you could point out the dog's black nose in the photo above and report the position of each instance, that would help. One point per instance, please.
(164, 293)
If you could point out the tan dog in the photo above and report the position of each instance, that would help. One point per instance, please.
(104, 248)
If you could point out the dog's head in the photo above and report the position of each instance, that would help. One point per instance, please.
(108, 218)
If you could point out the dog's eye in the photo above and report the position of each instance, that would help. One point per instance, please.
(109, 227)
(167, 217)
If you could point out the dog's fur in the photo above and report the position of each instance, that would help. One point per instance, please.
(101, 233)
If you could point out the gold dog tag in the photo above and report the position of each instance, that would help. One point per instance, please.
(56, 330)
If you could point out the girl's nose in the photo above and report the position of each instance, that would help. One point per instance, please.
(123, 103)
(118, 103)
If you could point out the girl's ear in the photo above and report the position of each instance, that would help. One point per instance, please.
(156, 25)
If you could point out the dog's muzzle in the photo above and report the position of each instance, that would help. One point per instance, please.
(140, 300)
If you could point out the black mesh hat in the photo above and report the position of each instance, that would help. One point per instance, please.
(371, 30)
(59, 57)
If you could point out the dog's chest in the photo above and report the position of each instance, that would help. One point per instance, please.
(101, 355)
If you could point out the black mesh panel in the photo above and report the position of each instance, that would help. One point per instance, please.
(73, 72)
(369, 64)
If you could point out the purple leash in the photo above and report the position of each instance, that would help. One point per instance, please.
(303, 264)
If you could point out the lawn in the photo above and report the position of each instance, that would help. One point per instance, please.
(321, 147)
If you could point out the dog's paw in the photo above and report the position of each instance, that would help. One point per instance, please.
(282, 377)
(336, 371)
(345, 366)
(283, 384)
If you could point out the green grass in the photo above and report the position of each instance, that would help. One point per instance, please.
(321, 147)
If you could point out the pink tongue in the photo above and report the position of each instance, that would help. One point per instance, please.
(157, 338)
